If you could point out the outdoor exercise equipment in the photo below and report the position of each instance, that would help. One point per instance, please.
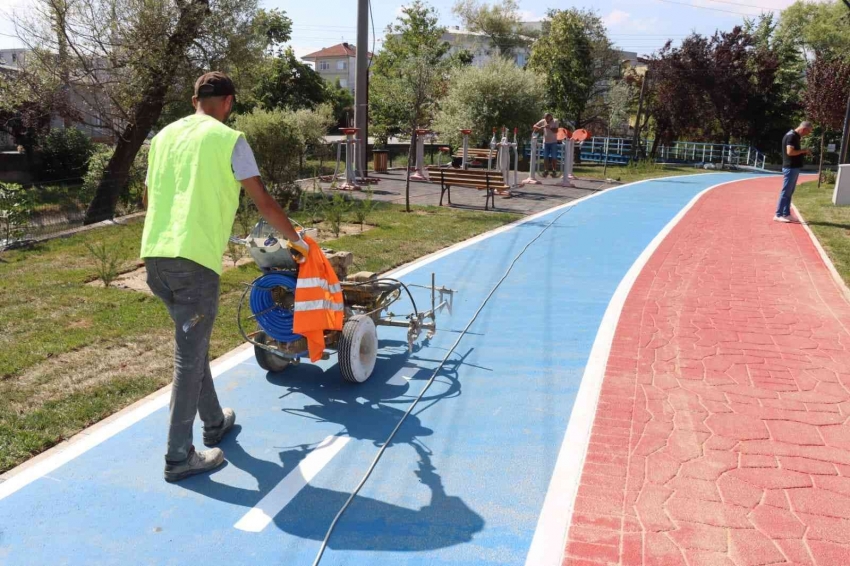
(366, 297)
(503, 150)
(465, 159)
(421, 172)
(350, 183)
(568, 155)
(533, 159)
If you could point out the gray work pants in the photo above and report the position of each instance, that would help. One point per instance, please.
(190, 293)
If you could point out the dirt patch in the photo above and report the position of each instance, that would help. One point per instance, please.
(345, 229)
(136, 280)
(62, 375)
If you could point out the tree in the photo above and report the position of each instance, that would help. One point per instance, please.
(286, 82)
(500, 23)
(496, 95)
(828, 86)
(126, 60)
(342, 103)
(410, 75)
(577, 62)
(410, 72)
(619, 101)
(816, 27)
(720, 88)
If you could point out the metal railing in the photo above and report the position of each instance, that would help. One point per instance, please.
(620, 150)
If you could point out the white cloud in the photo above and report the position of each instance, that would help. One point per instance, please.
(529, 16)
(616, 18)
(621, 20)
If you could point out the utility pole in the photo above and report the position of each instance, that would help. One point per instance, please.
(361, 86)
(636, 140)
(845, 136)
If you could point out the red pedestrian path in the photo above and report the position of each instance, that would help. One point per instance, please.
(721, 436)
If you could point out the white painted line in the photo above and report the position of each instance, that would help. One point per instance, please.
(839, 282)
(264, 512)
(553, 525)
(54, 458)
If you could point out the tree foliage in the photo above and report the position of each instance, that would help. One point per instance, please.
(817, 27)
(286, 82)
(577, 63)
(499, 22)
(828, 87)
(410, 73)
(729, 86)
(125, 61)
(496, 95)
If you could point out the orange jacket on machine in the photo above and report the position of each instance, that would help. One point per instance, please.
(318, 300)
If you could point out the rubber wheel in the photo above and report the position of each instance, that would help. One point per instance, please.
(358, 349)
(266, 359)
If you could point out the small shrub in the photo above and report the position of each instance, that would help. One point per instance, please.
(235, 252)
(335, 210)
(313, 206)
(246, 216)
(828, 177)
(16, 207)
(65, 155)
(108, 261)
(363, 208)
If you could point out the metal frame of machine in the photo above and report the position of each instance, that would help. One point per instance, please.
(367, 300)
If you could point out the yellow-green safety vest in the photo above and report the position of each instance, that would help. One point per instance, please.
(192, 192)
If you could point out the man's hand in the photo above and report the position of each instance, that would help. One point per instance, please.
(299, 250)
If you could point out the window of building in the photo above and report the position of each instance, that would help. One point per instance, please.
(341, 65)
(343, 83)
(324, 65)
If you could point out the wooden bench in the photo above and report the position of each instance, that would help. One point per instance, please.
(482, 179)
(477, 154)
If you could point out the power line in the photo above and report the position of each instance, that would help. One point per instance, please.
(707, 7)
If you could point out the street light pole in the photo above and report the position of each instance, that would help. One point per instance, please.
(845, 136)
(361, 85)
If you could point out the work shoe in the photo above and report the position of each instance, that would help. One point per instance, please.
(556, 174)
(196, 463)
(781, 219)
(213, 436)
(544, 173)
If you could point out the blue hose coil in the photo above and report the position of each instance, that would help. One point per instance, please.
(275, 321)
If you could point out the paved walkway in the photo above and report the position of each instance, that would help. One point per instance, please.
(721, 435)
(528, 199)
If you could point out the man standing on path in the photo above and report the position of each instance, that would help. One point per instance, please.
(550, 143)
(195, 168)
(792, 162)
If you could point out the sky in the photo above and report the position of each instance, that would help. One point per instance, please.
(633, 25)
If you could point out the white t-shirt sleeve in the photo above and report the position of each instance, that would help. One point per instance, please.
(242, 161)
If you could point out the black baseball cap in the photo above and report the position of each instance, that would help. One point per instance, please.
(214, 83)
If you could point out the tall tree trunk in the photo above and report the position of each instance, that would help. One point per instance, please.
(820, 161)
(146, 112)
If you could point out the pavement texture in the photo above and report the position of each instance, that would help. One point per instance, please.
(528, 199)
(721, 436)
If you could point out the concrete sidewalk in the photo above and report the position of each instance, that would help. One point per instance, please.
(721, 434)
(528, 199)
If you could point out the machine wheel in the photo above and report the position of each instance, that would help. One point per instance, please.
(266, 359)
(358, 349)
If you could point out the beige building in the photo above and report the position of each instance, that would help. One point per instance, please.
(337, 62)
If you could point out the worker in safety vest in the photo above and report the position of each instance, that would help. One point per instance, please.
(196, 169)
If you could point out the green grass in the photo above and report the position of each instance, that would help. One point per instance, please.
(72, 354)
(631, 173)
(830, 223)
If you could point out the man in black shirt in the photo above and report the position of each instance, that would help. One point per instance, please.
(792, 162)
